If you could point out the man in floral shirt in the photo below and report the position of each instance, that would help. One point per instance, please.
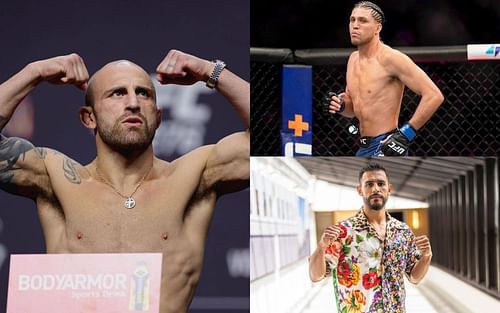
(368, 254)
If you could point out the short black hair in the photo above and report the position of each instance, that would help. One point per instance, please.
(377, 13)
(371, 167)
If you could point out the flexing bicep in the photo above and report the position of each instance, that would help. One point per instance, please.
(228, 165)
(22, 167)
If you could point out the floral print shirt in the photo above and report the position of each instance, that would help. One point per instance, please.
(368, 271)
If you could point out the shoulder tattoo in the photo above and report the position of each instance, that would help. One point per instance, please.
(41, 153)
(55, 152)
(70, 171)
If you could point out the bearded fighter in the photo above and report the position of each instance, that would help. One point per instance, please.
(369, 254)
(126, 199)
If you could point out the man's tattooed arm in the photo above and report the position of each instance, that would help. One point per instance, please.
(17, 169)
(11, 150)
(23, 168)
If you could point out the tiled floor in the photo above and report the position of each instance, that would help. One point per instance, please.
(290, 291)
(416, 302)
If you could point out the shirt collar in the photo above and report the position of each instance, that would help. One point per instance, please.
(362, 224)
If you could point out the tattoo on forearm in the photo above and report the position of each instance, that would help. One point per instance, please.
(70, 171)
(3, 121)
(41, 153)
(11, 149)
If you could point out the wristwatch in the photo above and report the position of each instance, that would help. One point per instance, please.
(212, 80)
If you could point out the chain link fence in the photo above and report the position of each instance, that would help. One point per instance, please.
(265, 95)
(466, 124)
(265, 118)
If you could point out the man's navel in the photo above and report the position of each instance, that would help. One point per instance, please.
(164, 236)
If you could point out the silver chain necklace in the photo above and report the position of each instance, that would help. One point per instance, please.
(129, 202)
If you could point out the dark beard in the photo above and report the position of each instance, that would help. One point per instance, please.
(376, 206)
(128, 141)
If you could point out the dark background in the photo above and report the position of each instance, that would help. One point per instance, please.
(143, 32)
(301, 24)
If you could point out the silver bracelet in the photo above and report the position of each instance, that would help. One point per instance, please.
(212, 80)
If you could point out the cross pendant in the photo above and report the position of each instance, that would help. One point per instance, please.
(130, 203)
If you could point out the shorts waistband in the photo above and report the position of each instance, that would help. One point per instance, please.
(365, 141)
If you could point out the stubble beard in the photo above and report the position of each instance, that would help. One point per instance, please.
(127, 140)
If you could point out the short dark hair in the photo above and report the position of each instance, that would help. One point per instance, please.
(377, 13)
(371, 167)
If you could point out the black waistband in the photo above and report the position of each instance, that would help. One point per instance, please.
(365, 141)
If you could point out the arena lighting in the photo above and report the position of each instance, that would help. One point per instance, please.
(415, 220)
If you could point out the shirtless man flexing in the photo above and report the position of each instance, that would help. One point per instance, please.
(126, 199)
(376, 77)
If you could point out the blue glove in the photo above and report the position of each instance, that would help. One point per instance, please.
(397, 144)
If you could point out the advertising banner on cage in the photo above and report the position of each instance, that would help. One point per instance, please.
(296, 111)
(483, 52)
(97, 283)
